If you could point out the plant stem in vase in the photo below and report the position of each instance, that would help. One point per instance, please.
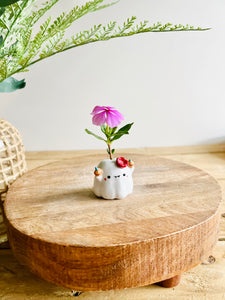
(113, 177)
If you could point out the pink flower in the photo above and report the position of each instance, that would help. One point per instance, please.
(106, 115)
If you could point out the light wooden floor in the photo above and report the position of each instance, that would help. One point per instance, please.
(206, 281)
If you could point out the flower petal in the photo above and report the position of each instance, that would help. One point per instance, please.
(118, 115)
(99, 119)
(112, 120)
(109, 108)
(97, 109)
(106, 114)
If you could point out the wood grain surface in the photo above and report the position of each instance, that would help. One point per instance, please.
(204, 282)
(59, 229)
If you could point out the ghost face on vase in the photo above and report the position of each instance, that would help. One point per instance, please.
(113, 182)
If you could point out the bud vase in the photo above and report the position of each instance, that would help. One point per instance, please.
(113, 178)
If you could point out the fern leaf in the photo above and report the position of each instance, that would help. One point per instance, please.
(3, 69)
(60, 24)
(65, 20)
(36, 15)
(21, 48)
(106, 5)
(3, 25)
(35, 44)
(52, 45)
(12, 14)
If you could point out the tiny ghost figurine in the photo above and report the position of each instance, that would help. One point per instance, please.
(113, 178)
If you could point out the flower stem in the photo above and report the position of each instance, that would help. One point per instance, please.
(110, 151)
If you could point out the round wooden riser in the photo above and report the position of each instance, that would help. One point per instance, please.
(65, 234)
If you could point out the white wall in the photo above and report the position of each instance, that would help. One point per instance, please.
(172, 85)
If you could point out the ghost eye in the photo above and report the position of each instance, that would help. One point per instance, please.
(124, 174)
(108, 177)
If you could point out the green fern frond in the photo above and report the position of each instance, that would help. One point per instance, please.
(49, 32)
(11, 16)
(52, 45)
(65, 20)
(20, 47)
(103, 33)
(3, 25)
(106, 5)
(35, 44)
(3, 69)
(36, 15)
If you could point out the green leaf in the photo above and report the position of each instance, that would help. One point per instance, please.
(113, 130)
(11, 84)
(125, 128)
(107, 5)
(36, 15)
(118, 136)
(7, 2)
(2, 10)
(3, 69)
(1, 40)
(95, 135)
(112, 151)
(103, 129)
(3, 24)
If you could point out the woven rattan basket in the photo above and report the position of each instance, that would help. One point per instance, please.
(12, 156)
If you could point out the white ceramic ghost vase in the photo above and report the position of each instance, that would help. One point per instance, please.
(113, 178)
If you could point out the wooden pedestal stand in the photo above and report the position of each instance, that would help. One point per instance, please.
(63, 233)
